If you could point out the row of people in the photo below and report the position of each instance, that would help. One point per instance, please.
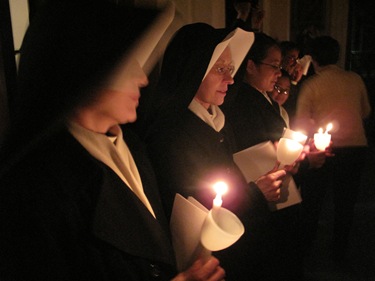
(78, 192)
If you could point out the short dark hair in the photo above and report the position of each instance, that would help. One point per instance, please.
(259, 49)
(287, 46)
(325, 50)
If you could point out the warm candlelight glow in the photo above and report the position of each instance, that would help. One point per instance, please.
(288, 151)
(301, 138)
(290, 146)
(221, 227)
(328, 128)
(220, 189)
(321, 139)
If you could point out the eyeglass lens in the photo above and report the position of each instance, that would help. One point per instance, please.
(281, 90)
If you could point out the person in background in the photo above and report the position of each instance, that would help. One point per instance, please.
(249, 15)
(191, 145)
(79, 199)
(255, 118)
(280, 94)
(339, 97)
(290, 55)
(314, 159)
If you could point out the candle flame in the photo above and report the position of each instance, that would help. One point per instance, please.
(320, 131)
(301, 138)
(328, 128)
(220, 188)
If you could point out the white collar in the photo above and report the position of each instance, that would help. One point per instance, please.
(216, 120)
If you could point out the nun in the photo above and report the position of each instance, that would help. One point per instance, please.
(78, 196)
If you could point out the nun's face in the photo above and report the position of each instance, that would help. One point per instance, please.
(117, 103)
(120, 101)
(213, 88)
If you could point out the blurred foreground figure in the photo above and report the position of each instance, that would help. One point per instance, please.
(79, 199)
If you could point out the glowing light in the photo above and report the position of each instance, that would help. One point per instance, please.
(220, 189)
(322, 140)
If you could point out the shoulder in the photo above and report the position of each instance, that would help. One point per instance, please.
(59, 161)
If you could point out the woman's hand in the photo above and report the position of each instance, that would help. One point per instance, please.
(270, 183)
(203, 269)
(316, 157)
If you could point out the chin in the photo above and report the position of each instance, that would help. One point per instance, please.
(129, 119)
(220, 102)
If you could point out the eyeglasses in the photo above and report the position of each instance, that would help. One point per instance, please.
(291, 58)
(224, 69)
(275, 67)
(280, 90)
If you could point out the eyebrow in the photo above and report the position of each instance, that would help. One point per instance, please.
(223, 61)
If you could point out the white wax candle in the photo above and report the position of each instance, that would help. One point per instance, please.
(219, 232)
(288, 151)
(322, 140)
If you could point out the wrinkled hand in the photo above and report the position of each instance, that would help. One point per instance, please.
(270, 183)
(203, 269)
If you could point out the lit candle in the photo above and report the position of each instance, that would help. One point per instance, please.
(220, 189)
(290, 146)
(221, 227)
(288, 151)
(322, 140)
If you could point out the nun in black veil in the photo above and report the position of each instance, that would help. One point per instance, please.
(191, 145)
(78, 196)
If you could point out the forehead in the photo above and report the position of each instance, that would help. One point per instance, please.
(226, 56)
(273, 54)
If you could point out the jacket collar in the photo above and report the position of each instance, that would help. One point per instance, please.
(123, 221)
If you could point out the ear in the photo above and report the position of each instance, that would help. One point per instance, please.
(250, 67)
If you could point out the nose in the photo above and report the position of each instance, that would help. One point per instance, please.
(278, 72)
(229, 79)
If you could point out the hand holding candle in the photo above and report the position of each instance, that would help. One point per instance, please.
(322, 140)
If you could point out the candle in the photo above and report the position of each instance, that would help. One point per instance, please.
(221, 227)
(322, 140)
(288, 151)
(290, 146)
(219, 232)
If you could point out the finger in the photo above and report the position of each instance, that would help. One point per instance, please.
(211, 265)
(279, 174)
(278, 184)
(276, 195)
(219, 274)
